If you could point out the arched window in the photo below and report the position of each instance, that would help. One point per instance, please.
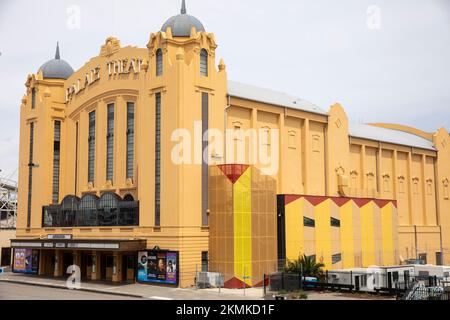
(69, 209)
(88, 211)
(159, 62)
(204, 62)
(108, 206)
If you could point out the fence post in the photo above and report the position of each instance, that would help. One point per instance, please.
(264, 285)
(196, 278)
(301, 281)
(351, 281)
(282, 281)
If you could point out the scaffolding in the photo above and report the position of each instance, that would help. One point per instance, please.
(8, 203)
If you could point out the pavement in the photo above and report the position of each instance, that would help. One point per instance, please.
(15, 291)
(137, 291)
(12, 284)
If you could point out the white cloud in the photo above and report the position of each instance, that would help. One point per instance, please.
(320, 50)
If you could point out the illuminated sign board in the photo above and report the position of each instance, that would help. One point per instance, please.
(26, 261)
(158, 267)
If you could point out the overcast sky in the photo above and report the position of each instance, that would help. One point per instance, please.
(384, 61)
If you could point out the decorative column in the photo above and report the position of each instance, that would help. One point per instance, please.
(58, 272)
(96, 266)
(42, 264)
(117, 267)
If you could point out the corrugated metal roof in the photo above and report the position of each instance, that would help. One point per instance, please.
(249, 92)
(369, 132)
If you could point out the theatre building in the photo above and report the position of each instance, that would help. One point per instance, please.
(147, 164)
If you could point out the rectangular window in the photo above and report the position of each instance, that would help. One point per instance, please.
(335, 222)
(335, 258)
(364, 281)
(76, 158)
(159, 63)
(30, 173)
(130, 140)
(33, 98)
(204, 63)
(158, 159)
(395, 276)
(205, 125)
(439, 258)
(91, 147)
(110, 144)
(56, 160)
(205, 260)
(307, 222)
(423, 257)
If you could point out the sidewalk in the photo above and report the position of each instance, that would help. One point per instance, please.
(139, 291)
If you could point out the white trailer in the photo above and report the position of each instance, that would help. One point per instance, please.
(373, 279)
(428, 270)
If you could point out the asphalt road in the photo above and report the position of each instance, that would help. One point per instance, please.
(13, 291)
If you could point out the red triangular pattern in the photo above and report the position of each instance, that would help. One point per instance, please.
(233, 171)
(362, 202)
(316, 200)
(341, 201)
(394, 202)
(235, 283)
(261, 283)
(381, 203)
(290, 198)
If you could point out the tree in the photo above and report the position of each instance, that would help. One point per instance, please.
(307, 266)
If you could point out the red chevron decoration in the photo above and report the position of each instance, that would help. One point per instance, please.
(233, 171)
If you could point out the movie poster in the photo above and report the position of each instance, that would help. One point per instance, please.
(26, 261)
(142, 265)
(158, 267)
(171, 268)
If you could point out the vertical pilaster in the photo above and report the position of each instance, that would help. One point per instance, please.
(410, 193)
(42, 264)
(282, 152)
(117, 267)
(58, 271)
(96, 266)
(306, 155)
(424, 190)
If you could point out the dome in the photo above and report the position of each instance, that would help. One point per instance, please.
(56, 68)
(182, 24)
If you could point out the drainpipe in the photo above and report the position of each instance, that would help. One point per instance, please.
(325, 134)
(379, 173)
(442, 248)
(415, 239)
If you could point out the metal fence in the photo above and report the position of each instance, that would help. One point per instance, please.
(405, 287)
(421, 291)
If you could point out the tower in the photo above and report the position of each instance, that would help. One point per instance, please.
(189, 94)
(42, 115)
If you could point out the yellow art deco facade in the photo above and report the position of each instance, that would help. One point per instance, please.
(102, 186)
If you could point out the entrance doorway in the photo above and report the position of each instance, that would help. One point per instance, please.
(128, 268)
(6, 257)
(67, 261)
(107, 263)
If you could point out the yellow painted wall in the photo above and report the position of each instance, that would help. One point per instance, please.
(242, 227)
(366, 236)
(316, 157)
